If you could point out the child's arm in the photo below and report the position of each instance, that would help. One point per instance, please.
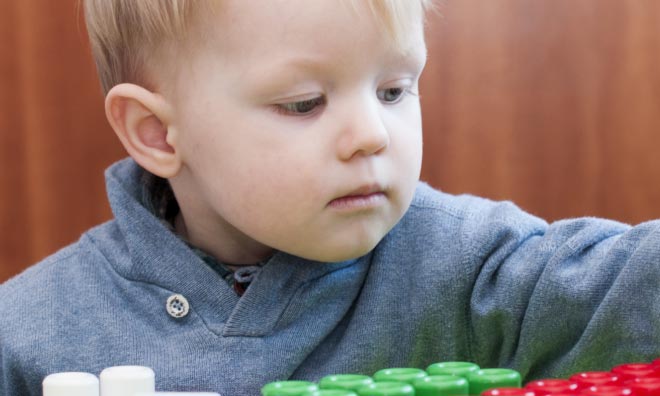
(575, 295)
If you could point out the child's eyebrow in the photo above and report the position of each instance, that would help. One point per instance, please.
(302, 63)
(285, 72)
(412, 56)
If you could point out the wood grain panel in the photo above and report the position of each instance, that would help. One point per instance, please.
(553, 104)
(55, 140)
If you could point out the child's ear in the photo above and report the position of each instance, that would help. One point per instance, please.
(140, 119)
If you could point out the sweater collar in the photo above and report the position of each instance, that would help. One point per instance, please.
(159, 257)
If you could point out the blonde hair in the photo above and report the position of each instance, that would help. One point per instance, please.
(125, 34)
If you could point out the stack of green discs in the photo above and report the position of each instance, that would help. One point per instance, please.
(387, 388)
(330, 392)
(461, 369)
(485, 379)
(350, 382)
(441, 385)
(288, 388)
(439, 379)
(404, 374)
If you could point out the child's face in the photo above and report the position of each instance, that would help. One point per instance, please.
(296, 129)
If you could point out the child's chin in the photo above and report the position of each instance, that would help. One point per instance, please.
(343, 253)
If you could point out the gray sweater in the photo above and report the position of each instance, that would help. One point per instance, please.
(459, 278)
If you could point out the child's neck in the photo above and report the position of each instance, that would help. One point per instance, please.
(231, 253)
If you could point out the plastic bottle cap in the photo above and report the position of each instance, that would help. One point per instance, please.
(647, 386)
(345, 381)
(288, 388)
(485, 379)
(593, 378)
(607, 390)
(636, 370)
(462, 369)
(576, 393)
(404, 374)
(510, 391)
(331, 392)
(387, 388)
(127, 381)
(441, 385)
(70, 384)
(544, 387)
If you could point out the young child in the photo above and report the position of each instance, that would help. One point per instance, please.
(270, 224)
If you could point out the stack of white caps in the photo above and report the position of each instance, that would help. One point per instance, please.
(127, 381)
(71, 384)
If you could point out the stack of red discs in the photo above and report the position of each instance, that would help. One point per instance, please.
(555, 387)
(643, 379)
(633, 379)
(509, 391)
(600, 383)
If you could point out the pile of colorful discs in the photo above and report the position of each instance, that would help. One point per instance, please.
(465, 378)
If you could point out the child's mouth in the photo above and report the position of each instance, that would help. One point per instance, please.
(366, 197)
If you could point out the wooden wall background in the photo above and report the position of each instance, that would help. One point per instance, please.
(554, 104)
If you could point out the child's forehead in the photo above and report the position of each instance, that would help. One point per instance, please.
(310, 28)
(275, 44)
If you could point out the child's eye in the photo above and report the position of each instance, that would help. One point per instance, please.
(300, 108)
(392, 95)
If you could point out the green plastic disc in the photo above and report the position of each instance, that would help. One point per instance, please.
(387, 388)
(399, 374)
(441, 385)
(345, 381)
(461, 369)
(485, 379)
(288, 388)
(331, 392)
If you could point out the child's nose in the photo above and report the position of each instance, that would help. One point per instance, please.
(363, 133)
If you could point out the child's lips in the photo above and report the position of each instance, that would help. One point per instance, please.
(365, 197)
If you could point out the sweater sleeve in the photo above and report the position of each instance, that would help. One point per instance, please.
(12, 382)
(551, 300)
